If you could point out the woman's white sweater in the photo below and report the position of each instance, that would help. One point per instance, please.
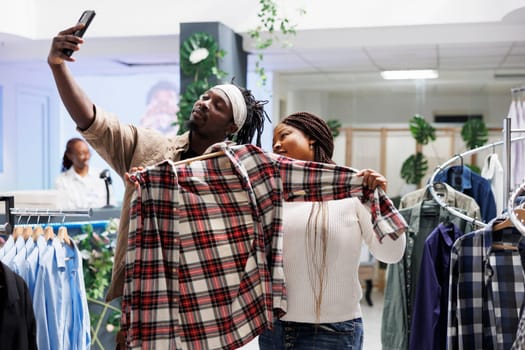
(349, 225)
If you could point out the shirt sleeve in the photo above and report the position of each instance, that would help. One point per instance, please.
(426, 304)
(311, 181)
(389, 250)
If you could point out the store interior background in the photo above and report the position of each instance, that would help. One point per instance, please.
(332, 68)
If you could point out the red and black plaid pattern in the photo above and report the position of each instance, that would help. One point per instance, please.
(204, 263)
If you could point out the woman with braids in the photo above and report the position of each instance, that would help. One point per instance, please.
(79, 185)
(321, 251)
(223, 112)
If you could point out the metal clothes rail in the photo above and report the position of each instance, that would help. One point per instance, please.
(506, 149)
(512, 214)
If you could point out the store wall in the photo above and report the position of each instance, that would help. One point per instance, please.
(30, 129)
(393, 107)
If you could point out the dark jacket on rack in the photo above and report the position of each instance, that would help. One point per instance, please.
(17, 319)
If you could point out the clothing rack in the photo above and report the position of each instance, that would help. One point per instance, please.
(512, 214)
(517, 89)
(50, 212)
(34, 212)
(506, 150)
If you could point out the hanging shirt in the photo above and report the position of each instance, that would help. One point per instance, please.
(448, 195)
(17, 319)
(464, 180)
(402, 277)
(429, 320)
(204, 263)
(7, 246)
(493, 171)
(517, 149)
(486, 291)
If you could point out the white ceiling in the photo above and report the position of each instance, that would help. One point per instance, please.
(467, 55)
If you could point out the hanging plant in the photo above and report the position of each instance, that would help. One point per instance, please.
(475, 133)
(414, 167)
(271, 24)
(199, 55)
(335, 127)
(421, 130)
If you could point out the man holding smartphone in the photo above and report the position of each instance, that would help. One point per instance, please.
(222, 112)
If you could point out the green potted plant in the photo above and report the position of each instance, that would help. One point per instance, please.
(414, 167)
(475, 134)
(198, 60)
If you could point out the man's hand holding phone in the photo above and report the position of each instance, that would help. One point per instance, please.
(68, 40)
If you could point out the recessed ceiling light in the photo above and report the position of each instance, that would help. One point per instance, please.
(410, 74)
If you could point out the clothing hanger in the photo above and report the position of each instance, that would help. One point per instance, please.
(17, 230)
(507, 223)
(37, 232)
(520, 213)
(63, 236)
(48, 231)
(28, 231)
(201, 157)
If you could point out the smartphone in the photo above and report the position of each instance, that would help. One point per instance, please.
(86, 18)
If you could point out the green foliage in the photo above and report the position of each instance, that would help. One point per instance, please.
(474, 168)
(272, 24)
(475, 133)
(192, 93)
(335, 127)
(414, 168)
(201, 68)
(97, 264)
(421, 130)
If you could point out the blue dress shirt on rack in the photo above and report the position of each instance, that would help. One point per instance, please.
(473, 185)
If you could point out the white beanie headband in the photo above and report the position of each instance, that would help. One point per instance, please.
(238, 103)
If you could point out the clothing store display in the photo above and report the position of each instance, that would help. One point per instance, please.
(212, 230)
(402, 277)
(492, 170)
(462, 179)
(52, 273)
(17, 318)
(429, 322)
(81, 192)
(487, 289)
(124, 147)
(447, 193)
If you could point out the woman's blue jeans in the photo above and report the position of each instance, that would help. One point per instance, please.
(329, 336)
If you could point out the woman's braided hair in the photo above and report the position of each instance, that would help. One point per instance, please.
(315, 128)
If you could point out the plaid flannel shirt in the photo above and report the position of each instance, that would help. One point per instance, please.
(486, 291)
(204, 262)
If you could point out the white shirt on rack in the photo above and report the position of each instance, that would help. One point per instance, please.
(493, 171)
(81, 192)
